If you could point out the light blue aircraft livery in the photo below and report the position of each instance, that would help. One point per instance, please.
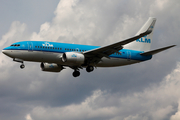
(55, 56)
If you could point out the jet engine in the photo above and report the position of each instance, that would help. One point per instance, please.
(73, 58)
(51, 67)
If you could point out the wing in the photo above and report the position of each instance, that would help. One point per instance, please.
(95, 55)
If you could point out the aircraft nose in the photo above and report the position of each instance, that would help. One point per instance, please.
(4, 51)
(7, 52)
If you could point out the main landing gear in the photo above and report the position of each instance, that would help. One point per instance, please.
(89, 68)
(76, 72)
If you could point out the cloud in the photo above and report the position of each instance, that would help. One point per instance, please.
(17, 31)
(155, 102)
(176, 116)
(28, 117)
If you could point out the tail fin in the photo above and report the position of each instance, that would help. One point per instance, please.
(144, 43)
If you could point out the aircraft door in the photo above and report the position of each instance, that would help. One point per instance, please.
(30, 46)
(128, 55)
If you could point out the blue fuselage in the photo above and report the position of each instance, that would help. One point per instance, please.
(51, 52)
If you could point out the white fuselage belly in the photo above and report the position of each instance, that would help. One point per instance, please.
(52, 57)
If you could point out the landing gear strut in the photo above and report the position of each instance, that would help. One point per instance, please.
(21, 61)
(76, 73)
(89, 68)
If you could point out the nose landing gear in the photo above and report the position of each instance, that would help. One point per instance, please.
(22, 66)
(21, 61)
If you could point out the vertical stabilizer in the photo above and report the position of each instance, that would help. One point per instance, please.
(144, 43)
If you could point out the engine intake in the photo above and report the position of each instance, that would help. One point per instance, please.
(73, 58)
(51, 67)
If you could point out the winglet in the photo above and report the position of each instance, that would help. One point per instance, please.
(148, 26)
(156, 51)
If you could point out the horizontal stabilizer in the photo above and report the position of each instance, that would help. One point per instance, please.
(156, 51)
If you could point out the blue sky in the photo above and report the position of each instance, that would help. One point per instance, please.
(147, 91)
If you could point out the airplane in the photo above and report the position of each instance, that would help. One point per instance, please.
(54, 56)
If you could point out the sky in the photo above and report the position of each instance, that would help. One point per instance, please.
(147, 90)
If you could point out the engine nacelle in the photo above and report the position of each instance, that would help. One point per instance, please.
(51, 67)
(73, 58)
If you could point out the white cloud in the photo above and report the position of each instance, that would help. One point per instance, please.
(161, 4)
(85, 23)
(85, 110)
(155, 102)
(17, 32)
(28, 117)
(176, 116)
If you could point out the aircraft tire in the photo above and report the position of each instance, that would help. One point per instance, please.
(76, 73)
(89, 68)
(22, 66)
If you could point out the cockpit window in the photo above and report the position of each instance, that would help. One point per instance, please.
(16, 45)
